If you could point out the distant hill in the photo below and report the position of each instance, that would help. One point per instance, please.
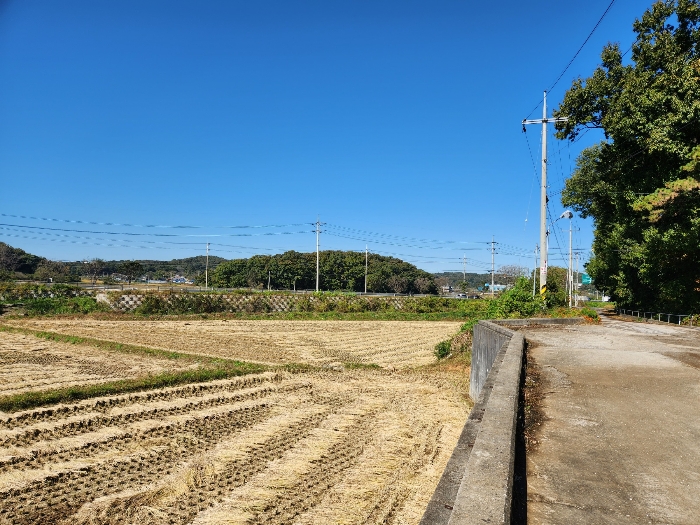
(189, 267)
(474, 280)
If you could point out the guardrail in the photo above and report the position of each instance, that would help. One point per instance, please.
(656, 316)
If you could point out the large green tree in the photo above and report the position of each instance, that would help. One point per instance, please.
(640, 183)
(339, 270)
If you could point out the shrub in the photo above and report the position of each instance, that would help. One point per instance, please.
(590, 312)
(72, 305)
(516, 302)
(443, 349)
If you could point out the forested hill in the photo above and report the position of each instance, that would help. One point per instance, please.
(189, 267)
(339, 270)
(455, 279)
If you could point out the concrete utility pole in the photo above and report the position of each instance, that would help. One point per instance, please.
(576, 284)
(464, 270)
(318, 233)
(533, 272)
(493, 251)
(569, 273)
(543, 190)
(206, 270)
(366, 261)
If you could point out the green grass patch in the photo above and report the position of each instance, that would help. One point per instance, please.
(600, 304)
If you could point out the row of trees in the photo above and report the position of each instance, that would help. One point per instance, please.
(339, 270)
(641, 183)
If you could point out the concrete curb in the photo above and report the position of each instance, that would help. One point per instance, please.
(476, 486)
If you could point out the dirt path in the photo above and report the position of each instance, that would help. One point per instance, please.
(620, 442)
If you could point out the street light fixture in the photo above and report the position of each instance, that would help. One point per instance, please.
(569, 274)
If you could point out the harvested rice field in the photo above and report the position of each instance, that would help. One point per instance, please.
(29, 363)
(328, 445)
(386, 343)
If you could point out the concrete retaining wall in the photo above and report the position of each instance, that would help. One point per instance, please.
(477, 484)
(488, 340)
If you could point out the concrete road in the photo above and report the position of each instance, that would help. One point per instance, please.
(621, 438)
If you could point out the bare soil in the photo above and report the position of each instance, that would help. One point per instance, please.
(332, 446)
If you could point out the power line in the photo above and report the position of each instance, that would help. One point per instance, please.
(154, 234)
(94, 223)
(575, 55)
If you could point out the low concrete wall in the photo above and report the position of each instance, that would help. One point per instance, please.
(488, 340)
(477, 484)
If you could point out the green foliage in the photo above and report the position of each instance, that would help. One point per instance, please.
(16, 260)
(12, 292)
(71, 305)
(131, 269)
(443, 348)
(339, 270)
(517, 302)
(590, 312)
(640, 184)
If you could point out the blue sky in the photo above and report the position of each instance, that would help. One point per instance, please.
(396, 123)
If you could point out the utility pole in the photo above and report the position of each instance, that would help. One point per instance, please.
(493, 251)
(206, 270)
(318, 257)
(576, 296)
(543, 191)
(366, 261)
(571, 268)
(269, 274)
(464, 268)
(533, 272)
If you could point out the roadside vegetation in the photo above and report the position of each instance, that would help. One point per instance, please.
(641, 183)
(517, 302)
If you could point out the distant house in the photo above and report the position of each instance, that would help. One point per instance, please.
(496, 287)
(447, 289)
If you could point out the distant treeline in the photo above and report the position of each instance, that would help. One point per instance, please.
(190, 267)
(339, 270)
(15, 263)
(455, 279)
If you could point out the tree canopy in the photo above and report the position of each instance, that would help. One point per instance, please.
(640, 183)
(339, 270)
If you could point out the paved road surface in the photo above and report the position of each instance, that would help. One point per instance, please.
(621, 442)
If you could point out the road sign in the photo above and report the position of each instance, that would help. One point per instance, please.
(586, 279)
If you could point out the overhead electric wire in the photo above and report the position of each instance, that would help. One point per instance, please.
(575, 55)
(73, 221)
(354, 231)
(155, 234)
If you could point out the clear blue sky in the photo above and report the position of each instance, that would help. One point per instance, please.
(390, 121)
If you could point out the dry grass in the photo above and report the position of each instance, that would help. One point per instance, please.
(357, 445)
(29, 363)
(387, 343)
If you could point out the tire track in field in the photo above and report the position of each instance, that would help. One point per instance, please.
(325, 472)
(62, 449)
(58, 495)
